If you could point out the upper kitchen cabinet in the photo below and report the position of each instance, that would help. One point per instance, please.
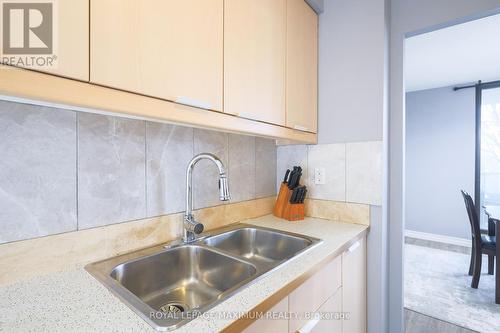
(254, 59)
(73, 39)
(65, 52)
(169, 49)
(302, 67)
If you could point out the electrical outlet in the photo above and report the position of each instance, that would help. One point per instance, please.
(319, 176)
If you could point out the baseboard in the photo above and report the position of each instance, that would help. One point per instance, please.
(438, 238)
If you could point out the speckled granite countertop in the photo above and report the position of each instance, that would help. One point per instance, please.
(74, 301)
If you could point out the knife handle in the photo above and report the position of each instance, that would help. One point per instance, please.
(295, 193)
(285, 180)
(304, 195)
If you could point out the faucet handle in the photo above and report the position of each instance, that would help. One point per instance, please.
(191, 225)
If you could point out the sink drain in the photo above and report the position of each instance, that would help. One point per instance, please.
(173, 307)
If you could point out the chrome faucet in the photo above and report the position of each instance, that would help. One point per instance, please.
(191, 227)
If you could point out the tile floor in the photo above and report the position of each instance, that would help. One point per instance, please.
(437, 285)
(418, 323)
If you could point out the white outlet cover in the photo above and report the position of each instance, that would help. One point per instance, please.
(319, 176)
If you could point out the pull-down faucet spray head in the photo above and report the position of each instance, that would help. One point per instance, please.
(191, 227)
(223, 188)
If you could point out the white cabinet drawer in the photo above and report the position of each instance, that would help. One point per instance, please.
(314, 292)
(328, 317)
(354, 287)
(331, 310)
(271, 325)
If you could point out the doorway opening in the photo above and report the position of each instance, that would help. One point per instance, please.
(452, 144)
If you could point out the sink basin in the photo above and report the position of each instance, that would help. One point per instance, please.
(169, 286)
(259, 245)
(183, 278)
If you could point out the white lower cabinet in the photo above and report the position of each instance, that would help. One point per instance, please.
(309, 297)
(331, 301)
(271, 325)
(329, 320)
(354, 288)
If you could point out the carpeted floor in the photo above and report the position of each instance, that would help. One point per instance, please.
(437, 285)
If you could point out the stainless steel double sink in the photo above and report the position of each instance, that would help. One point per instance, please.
(170, 285)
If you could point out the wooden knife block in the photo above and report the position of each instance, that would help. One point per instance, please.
(284, 196)
(284, 209)
(294, 212)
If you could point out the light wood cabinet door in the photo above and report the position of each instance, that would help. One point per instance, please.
(302, 67)
(169, 49)
(354, 287)
(254, 59)
(272, 325)
(70, 40)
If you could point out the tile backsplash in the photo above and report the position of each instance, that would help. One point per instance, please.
(163, 142)
(111, 170)
(64, 171)
(37, 171)
(353, 170)
(364, 172)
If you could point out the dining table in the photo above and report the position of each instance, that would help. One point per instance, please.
(493, 213)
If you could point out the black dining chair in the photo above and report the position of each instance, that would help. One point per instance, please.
(481, 243)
